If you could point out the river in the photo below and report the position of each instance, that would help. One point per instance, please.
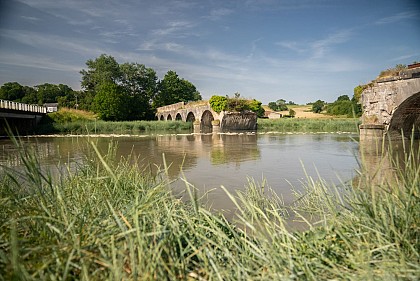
(207, 161)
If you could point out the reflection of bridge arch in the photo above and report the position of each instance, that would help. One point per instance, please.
(190, 117)
(406, 117)
(178, 117)
(206, 119)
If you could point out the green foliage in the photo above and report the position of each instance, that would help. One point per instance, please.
(279, 105)
(218, 103)
(104, 69)
(292, 113)
(12, 91)
(238, 104)
(344, 106)
(256, 106)
(140, 83)
(40, 94)
(112, 102)
(358, 90)
(272, 105)
(173, 89)
(318, 106)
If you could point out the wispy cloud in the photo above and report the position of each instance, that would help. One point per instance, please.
(44, 62)
(320, 47)
(398, 17)
(52, 42)
(317, 49)
(174, 28)
(217, 14)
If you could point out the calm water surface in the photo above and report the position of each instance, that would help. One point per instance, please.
(210, 160)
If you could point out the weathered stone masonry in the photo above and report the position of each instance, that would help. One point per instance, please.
(392, 106)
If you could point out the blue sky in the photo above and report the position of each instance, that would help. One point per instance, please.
(297, 50)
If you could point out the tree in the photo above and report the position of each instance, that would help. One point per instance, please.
(273, 105)
(47, 93)
(281, 105)
(173, 89)
(140, 84)
(102, 70)
(318, 106)
(292, 113)
(344, 106)
(12, 91)
(111, 102)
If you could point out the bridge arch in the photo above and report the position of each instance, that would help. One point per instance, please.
(178, 116)
(169, 117)
(206, 119)
(162, 118)
(406, 118)
(190, 117)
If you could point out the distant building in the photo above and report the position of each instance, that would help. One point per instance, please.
(51, 107)
(274, 115)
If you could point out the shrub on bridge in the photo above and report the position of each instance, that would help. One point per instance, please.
(218, 103)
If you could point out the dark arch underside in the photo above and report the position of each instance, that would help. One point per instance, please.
(406, 119)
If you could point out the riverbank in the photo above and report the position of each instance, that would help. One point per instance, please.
(93, 127)
(107, 220)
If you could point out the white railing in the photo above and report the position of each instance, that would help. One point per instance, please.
(6, 104)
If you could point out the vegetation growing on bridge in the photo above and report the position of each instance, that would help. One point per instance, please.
(109, 220)
(236, 104)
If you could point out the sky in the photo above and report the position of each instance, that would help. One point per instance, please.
(296, 50)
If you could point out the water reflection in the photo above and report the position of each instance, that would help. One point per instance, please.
(383, 163)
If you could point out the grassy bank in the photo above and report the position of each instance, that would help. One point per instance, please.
(71, 121)
(108, 221)
(309, 125)
(106, 127)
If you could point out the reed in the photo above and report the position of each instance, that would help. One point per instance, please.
(309, 125)
(122, 127)
(109, 220)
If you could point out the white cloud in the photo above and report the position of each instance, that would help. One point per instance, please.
(397, 17)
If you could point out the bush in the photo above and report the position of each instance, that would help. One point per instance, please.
(218, 103)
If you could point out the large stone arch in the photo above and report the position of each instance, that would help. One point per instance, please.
(178, 117)
(406, 117)
(169, 117)
(206, 119)
(162, 118)
(190, 117)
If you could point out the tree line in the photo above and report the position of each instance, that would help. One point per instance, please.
(115, 92)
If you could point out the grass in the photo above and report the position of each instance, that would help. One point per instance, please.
(309, 125)
(104, 127)
(72, 121)
(108, 220)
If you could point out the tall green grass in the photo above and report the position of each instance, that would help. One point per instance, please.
(104, 127)
(108, 220)
(309, 125)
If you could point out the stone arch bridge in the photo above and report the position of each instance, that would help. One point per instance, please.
(204, 117)
(391, 106)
